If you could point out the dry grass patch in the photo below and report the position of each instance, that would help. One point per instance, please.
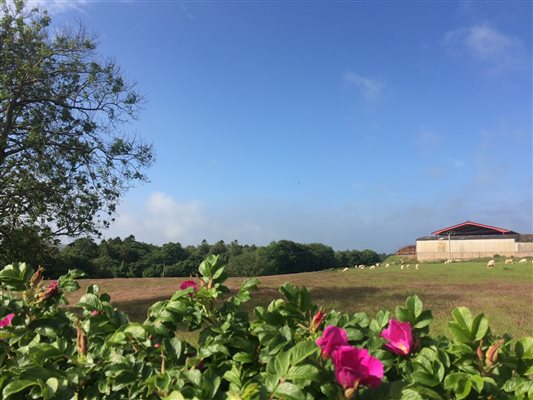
(504, 294)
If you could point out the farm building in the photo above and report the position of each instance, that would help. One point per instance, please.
(473, 240)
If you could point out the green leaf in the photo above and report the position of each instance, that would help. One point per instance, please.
(162, 381)
(209, 266)
(459, 383)
(52, 384)
(281, 363)
(289, 391)
(243, 357)
(302, 350)
(18, 386)
(136, 331)
(411, 394)
(480, 326)
(15, 276)
(90, 301)
(194, 376)
(302, 372)
(461, 325)
(424, 319)
(477, 382)
(174, 395)
(415, 306)
(233, 376)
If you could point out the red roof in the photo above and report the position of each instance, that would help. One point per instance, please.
(460, 227)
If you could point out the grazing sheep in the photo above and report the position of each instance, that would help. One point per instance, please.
(345, 269)
(522, 261)
(509, 261)
(361, 266)
(416, 267)
(447, 262)
(491, 264)
(401, 267)
(386, 265)
(372, 267)
(408, 266)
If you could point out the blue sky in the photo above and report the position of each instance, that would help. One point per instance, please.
(355, 124)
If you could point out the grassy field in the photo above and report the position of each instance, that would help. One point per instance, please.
(504, 294)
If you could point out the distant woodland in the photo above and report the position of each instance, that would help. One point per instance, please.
(131, 258)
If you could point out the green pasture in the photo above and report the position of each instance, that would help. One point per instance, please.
(504, 294)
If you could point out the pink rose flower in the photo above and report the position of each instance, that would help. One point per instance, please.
(400, 337)
(6, 321)
(187, 284)
(331, 338)
(355, 367)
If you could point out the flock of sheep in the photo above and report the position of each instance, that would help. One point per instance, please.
(362, 266)
(491, 264)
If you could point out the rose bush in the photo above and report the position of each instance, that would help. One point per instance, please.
(290, 349)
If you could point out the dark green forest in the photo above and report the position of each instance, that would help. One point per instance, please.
(128, 258)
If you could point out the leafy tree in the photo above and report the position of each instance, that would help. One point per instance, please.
(369, 257)
(64, 162)
(320, 256)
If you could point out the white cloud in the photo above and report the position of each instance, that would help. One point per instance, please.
(489, 46)
(371, 88)
(162, 219)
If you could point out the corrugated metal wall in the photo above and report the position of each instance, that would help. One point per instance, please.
(443, 249)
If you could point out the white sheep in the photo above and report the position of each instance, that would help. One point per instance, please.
(447, 262)
(372, 267)
(509, 261)
(386, 265)
(345, 269)
(401, 267)
(522, 261)
(416, 267)
(491, 264)
(408, 266)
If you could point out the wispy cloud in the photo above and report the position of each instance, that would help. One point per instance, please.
(54, 6)
(485, 44)
(428, 138)
(370, 88)
(384, 224)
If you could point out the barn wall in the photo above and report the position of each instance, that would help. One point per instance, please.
(525, 249)
(427, 250)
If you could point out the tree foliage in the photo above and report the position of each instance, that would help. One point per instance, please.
(64, 160)
(132, 258)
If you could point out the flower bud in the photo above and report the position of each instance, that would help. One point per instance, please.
(317, 320)
(491, 357)
(37, 277)
(479, 351)
(348, 393)
(51, 291)
(81, 340)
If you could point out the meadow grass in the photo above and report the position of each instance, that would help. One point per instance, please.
(504, 294)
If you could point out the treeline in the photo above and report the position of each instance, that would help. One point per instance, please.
(130, 258)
